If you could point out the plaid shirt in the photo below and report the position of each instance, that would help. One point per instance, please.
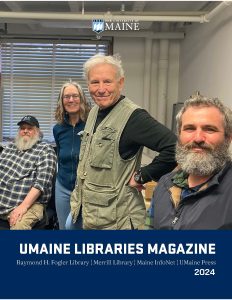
(22, 170)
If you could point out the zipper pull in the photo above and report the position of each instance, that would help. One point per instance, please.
(80, 133)
(175, 220)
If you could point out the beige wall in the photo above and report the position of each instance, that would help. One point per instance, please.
(206, 58)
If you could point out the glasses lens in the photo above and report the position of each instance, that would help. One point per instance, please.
(74, 96)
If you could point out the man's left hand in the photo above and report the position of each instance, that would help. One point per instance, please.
(17, 214)
(136, 185)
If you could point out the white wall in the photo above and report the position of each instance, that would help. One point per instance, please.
(206, 59)
(132, 52)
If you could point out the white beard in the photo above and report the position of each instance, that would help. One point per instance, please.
(24, 144)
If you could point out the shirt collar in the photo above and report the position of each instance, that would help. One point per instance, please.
(180, 179)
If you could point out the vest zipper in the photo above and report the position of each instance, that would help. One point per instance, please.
(72, 152)
(177, 212)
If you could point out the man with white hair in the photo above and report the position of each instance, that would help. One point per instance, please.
(110, 176)
(198, 195)
(26, 172)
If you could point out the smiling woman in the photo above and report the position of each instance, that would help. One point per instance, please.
(71, 114)
(71, 102)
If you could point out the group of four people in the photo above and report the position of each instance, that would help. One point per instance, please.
(106, 144)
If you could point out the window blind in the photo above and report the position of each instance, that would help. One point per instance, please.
(32, 74)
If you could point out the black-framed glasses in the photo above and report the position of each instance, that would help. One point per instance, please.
(74, 96)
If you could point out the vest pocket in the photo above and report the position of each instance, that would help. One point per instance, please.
(99, 209)
(136, 207)
(102, 152)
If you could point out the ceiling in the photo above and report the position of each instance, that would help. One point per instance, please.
(71, 18)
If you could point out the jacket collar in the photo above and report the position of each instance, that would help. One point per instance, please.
(180, 178)
(66, 121)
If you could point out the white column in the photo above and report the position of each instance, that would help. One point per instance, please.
(162, 78)
(147, 73)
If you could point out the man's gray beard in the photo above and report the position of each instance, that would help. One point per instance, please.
(207, 163)
(23, 145)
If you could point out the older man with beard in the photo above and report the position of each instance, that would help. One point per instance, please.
(198, 194)
(26, 171)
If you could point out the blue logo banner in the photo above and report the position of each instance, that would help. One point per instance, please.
(116, 264)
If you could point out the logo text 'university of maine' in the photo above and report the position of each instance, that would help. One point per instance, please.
(99, 25)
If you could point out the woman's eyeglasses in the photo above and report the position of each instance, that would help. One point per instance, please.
(74, 96)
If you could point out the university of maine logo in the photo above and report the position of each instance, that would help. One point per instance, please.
(98, 25)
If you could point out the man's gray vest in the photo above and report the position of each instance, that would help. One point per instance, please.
(108, 202)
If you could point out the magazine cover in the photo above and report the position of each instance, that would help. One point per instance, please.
(115, 159)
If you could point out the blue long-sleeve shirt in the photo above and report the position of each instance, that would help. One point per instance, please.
(68, 147)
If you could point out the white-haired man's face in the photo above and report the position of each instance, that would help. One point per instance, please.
(104, 85)
(27, 137)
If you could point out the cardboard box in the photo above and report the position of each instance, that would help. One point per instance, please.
(149, 189)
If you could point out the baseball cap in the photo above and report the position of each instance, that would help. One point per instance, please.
(29, 120)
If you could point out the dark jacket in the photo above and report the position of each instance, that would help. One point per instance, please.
(68, 142)
(208, 208)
